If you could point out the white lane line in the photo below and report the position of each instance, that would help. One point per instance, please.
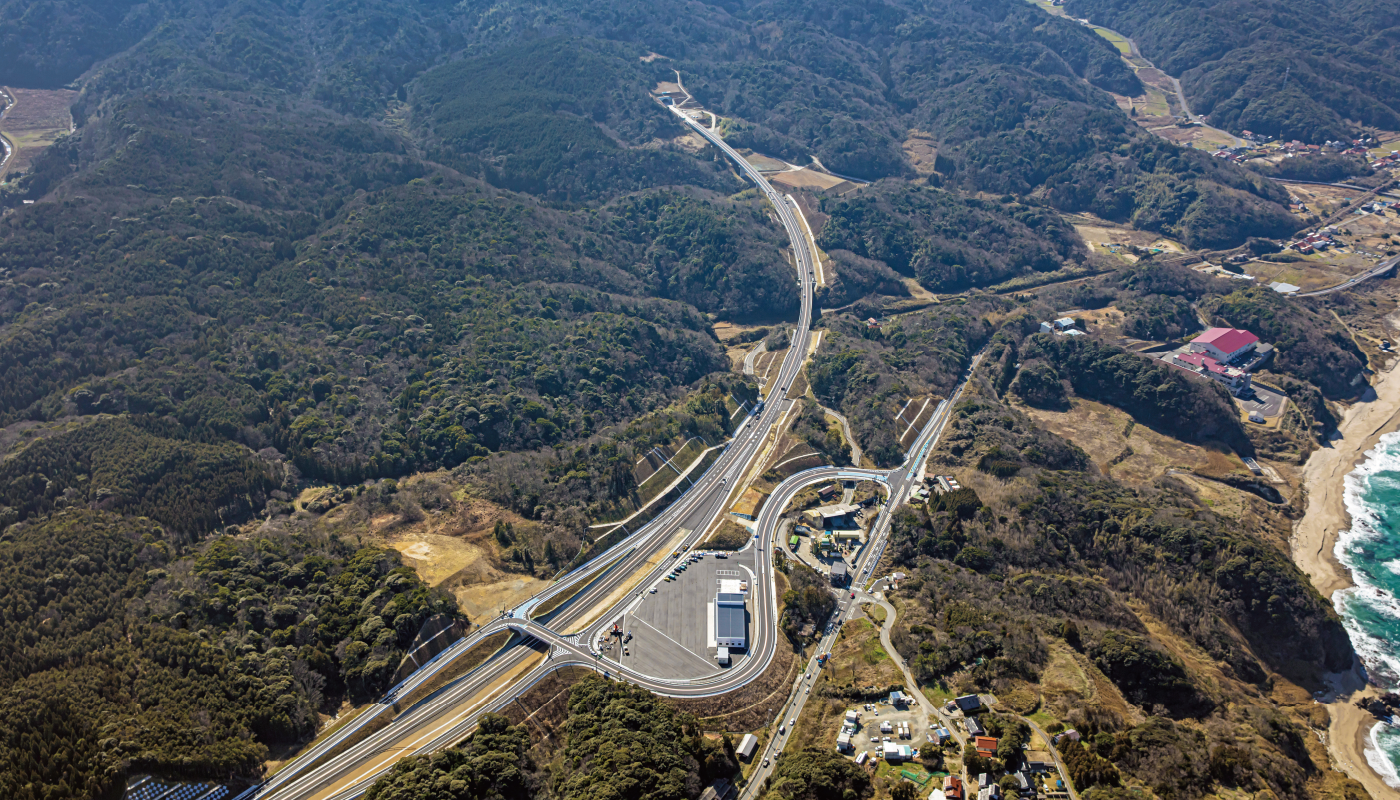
(683, 648)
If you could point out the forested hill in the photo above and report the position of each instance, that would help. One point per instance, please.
(1299, 69)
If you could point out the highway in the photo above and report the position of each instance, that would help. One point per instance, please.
(448, 714)
(348, 767)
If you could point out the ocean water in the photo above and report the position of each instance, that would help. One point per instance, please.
(1371, 610)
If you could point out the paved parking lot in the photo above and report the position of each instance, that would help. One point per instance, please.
(1265, 401)
(671, 630)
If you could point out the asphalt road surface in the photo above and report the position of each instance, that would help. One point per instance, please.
(447, 715)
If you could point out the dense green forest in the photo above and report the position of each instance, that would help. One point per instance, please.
(1308, 345)
(868, 373)
(127, 650)
(947, 241)
(543, 117)
(617, 741)
(1292, 69)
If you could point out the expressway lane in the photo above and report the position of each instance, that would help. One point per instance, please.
(900, 482)
(446, 716)
(348, 774)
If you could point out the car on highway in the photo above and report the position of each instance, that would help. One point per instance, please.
(765, 761)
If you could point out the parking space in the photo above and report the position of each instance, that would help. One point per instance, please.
(874, 717)
(1266, 401)
(672, 629)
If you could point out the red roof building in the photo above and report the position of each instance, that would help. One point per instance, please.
(1236, 380)
(986, 746)
(1224, 344)
(952, 787)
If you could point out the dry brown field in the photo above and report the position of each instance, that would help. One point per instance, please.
(38, 117)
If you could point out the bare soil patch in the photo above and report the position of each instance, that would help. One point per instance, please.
(810, 178)
(922, 151)
(764, 163)
(1131, 453)
(38, 117)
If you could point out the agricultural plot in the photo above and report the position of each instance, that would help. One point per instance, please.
(1117, 39)
(812, 179)
(37, 118)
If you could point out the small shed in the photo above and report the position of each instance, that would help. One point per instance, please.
(747, 745)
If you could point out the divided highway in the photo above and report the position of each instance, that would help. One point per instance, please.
(362, 753)
(447, 715)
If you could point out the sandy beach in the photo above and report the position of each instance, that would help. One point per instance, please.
(1315, 538)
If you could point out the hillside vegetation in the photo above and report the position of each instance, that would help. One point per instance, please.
(1055, 568)
(124, 652)
(617, 741)
(1292, 69)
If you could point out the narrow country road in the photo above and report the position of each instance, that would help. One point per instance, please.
(947, 721)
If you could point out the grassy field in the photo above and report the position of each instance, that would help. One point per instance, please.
(1153, 104)
(1119, 41)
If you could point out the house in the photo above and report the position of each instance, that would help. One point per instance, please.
(1039, 761)
(1234, 379)
(827, 491)
(952, 787)
(986, 746)
(833, 516)
(852, 716)
(941, 735)
(721, 789)
(1224, 344)
(897, 752)
(1071, 734)
(1062, 325)
(937, 794)
(968, 703)
(974, 728)
(983, 780)
(1023, 784)
(897, 698)
(843, 741)
(839, 574)
(746, 747)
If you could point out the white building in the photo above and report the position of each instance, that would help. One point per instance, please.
(1224, 344)
(731, 620)
(747, 745)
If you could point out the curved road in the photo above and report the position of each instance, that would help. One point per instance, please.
(442, 719)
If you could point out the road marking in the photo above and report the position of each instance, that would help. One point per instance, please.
(673, 641)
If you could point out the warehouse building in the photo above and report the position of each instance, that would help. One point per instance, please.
(731, 618)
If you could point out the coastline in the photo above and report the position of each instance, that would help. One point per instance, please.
(1313, 543)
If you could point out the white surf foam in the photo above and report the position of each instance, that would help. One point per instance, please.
(1382, 758)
